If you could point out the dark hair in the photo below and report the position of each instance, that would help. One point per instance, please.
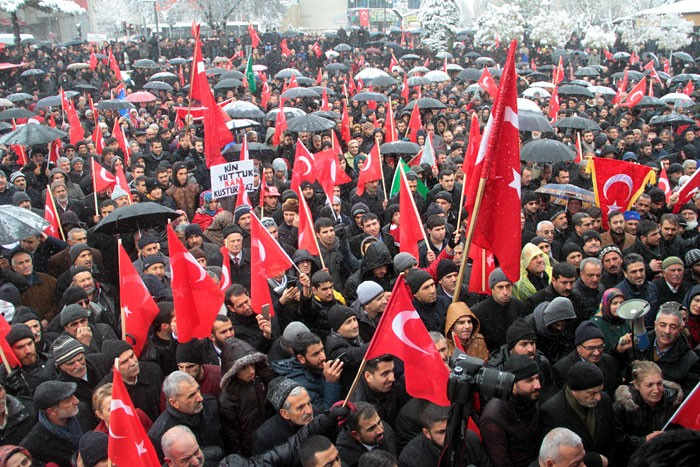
(303, 341)
(445, 172)
(631, 258)
(308, 450)
(560, 170)
(363, 410)
(435, 221)
(646, 227)
(377, 458)
(615, 214)
(373, 365)
(164, 316)
(668, 217)
(235, 290)
(669, 449)
(563, 270)
(323, 222)
(369, 216)
(594, 212)
(432, 414)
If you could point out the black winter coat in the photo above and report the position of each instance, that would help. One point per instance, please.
(275, 431)
(608, 365)
(547, 380)
(351, 352)
(376, 255)
(145, 394)
(421, 452)
(680, 364)
(19, 422)
(351, 450)
(510, 430)
(387, 404)
(494, 319)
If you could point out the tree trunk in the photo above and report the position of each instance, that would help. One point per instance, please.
(15, 28)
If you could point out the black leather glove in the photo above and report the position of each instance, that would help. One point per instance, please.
(341, 231)
(454, 240)
(14, 383)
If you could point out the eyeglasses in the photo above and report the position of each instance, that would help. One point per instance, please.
(593, 348)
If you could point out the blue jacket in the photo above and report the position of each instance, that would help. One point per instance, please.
(648, 292)
(323, 394)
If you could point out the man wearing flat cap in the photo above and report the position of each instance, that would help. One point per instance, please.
(509, 428)
(61, 424)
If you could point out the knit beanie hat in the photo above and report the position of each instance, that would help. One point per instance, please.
(17, 333)
(518, 331)
(445, 267)
(586, 331)
(609, 249)
(338, 314)
(521, 366)
(368, 291)
(65, 348)
(240, 211)
(559, 309)
(404, 260)
(72, 313)
(278, 390)
(692, 257)
(292, 330)
(93, 448)
(584, 375)
(75, 251)
(24, 314)
(496, 276)
(415, 278)
(113, 348)
(190, 352)
(569, 248)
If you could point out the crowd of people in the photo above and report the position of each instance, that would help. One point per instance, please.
(262, 391)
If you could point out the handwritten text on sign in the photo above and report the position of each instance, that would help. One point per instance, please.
(224, 178)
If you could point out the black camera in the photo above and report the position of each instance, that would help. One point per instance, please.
(469, 375)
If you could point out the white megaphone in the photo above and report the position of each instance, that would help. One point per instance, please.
(634, 310)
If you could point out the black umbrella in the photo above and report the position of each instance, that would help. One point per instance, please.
(679, 79)
(177, 61)
(425, 103)
(573, 90)
(545, 68)
(145, 63)
(319, 90)
(255, 150)
(410, 57)
(32, 72)
(4, 126)
(418, 81)
(533, 121)
(668, 119)
(137, 216)
(651, 101)
(287, 73)
(469, 74)
(15, 113)
(296, 93)
(158, 86)
(370, 96)
(342, 47)
(228, 84)
(400, 147)
(577, 123)
(19, 97)
(329, 114)
(46, 102)
(215, 71)
(305, 81)
(162, 75)
(232, 74)
(684, 56)
(289, 112)
(546, 150)
(336, 67)
(85, 87)
(383, 81)
(115, 104)
(309, 123)
(631, 75)
(30, 134)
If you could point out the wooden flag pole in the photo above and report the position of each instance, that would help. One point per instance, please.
(381, 169)
(5, 362)
(122, 314)
(470, 235)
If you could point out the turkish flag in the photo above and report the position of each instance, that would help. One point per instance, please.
(667, 66)
(558, 72)
(608, 54)
(128, 442)
(363, 14)
(650, 67)
(404, 88)
(390, 133)
(55, 151)
(636, 94)
(634, 58)
(137, 304)
(6, 348)
(51, 216)
(393, 63)
(483, 264)
(324, 100)
(267, 259)
(118, 134)
(216, 133)
(579, 149)
(254, 38)
(244, 148)
(196, 297)
(121, 180)
(688, 414)
(352, 89)
(99, 140)
(93, 59)
(401, 333)
(283, 47)
(76, 131)
(487, 83)
(304, 164)
(410, 233)
(102, 180)
(371, 171)
(533, 67)
(242, 194)
(554, 105)
(345, 124)
(113, 65)
(317, 49)
(687, 191)
(18, 149)
(329, 172)
(618, 184)
(306, 235)
(225, 279)
(280, 126)
(470, 170)
(414, 124)
(621, 90)
(265, 95)
(499, 155)
(689, 88)
(664, 184)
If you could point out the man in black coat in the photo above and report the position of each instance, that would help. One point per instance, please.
(583, 407)
(186, 406)
(76, 367)
(365, 431)
(431, 308)
(239, 257)
(509, 428)
(247, 326)
(497, 313)
(426, 448)
(379, 387)
(15, 419)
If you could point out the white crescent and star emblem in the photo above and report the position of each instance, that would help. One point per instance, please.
(112, 435)
(632, 97)
(261, 251)
(333, 169)
(140, 448)
(368, 162)
(127, 311)
(516, 184)
(619, 178)
(305, 160)
(106, 175)
(399, 323)
(663, 184)
(190, 258)
(117, 404)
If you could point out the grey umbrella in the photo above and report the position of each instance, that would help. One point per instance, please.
(309, 123)
(305, 81)
(31, 134)
(631, 74)
(19, 97)
(651, 101)
(158, 86)
(145, 63)
(287, 73)
(671, 119)
(400, 147)
(177, 61)
(32, 72)
(425, 103)
(419, 81)
(586, 71)
(329, 114)
(115, 104)
(573, 90)
(297, 93)
(469, 74)
(228, 84)
(162, 75)
(684, 56)
(215, 71)
(342, 47)
(17, 223)
(533, 121)
(336, 67)
(16, 112)
(243, 109)
(577, 123)
(232, 74)
(546, 150)
(46, 102)
(289, 112)
(410, 57)
(383, 81)
(370, 96)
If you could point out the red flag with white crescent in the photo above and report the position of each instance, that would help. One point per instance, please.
(225, 279)
(636, 94)
(664, 184)
(51, 216)
(306, 235)
(102, 179)
(242, 194)
(6, 348)
(487, 83)
(304, 163)
(687, 191)
(371, 170)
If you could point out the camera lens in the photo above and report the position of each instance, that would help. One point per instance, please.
(494, 383)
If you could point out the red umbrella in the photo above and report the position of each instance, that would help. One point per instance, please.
(141, 96)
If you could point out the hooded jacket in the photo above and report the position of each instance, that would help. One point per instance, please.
(376, 255)
(554, 345)
(524, 287)
(476, 345)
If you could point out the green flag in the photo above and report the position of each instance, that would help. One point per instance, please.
(250, 76)
(421, 188)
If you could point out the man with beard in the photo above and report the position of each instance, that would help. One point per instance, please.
(616, 234)
(35, 367)
(509, 428)
(431, 308)
(186, 406)
(499, 310)
(611, 257)
(310, 369)
(221, 330)
(61, 201)
(426, 448)
(365, 432)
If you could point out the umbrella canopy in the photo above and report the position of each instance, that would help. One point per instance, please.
(546, 150)
(669, 119)
(443, 55)
(19, 97)
(256, 150)
(243, 109)
(574, 90)
(580, 82)
(336, 67)
(567, 191)
(285, 73)
(526, 104)
(31, 134)
(631, 75)
(309, 123)
(77, 66)
(586, 71)
(177, 61)
(329, 114)
(145, 63)
(305, 81)
(602, 90)
(683, 56)
(232, 74)
(621, 55)
(484, 60)
(229, 83)
(684, 78)
(400, 147)
(437, 76)
(454, 67)
(32, 72)
(674, 97)
(15, 113)
(18, 223)
(289, 112)
(370, 73)
(383, 81)
(85, 87)
(543, 84)
(162, 75)
(410, 57)
(259, 67)
(115, 104)
(319, 90)
(577, 123)
(215, 71)
(237, 123)
(158, 86)
(536, 93)
(46, 102)
(137, 216)
(417, 69)
(419, 81)
(469, 74)
(533, 121)
(141, 96)
(6, 103)
(342, 47)
(651, 101)
(297, 93)
(425, 103)
(370, 96)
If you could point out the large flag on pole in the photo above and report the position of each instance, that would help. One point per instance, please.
(267, 259)
(410, 233)
(304, 163)
(401, 333)
(6, 348)
(396, 182)
(371, 171)
(688, 414)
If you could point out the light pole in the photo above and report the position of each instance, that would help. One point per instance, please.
(155, 13)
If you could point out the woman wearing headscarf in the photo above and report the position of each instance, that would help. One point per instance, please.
(616, 331)
(208, 209)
